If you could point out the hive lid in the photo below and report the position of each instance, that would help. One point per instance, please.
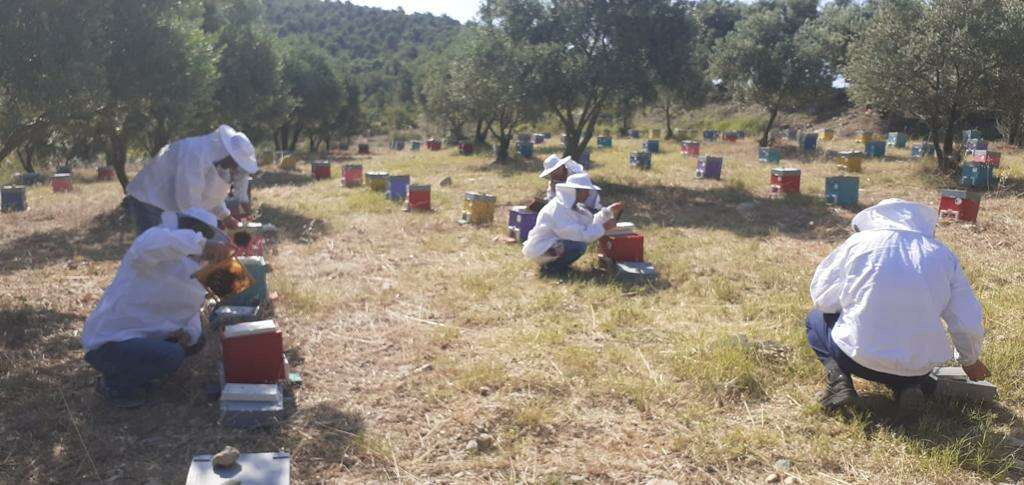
(250, 328)
(251, 392)
(841, 178)
(229, 310)
(376, 174)
(786, 171)
(707, 158)
(418, 187)
(851, 153)
(353, 165)
(622, 229)
(252, 260)
(488, 198)
(14, 187)
(256, 468)
(399, 177)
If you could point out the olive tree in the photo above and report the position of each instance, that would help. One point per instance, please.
(935, 61)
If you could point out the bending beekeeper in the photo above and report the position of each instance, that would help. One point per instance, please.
(193, 172)
(557, 170)
(880, 300)
(565, 228)
(148, 318)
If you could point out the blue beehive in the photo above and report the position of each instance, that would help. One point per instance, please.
(651, 146)
(921, 150)
(809, 141)
(768, 155)
(976, 144)
(398, 145)
(971, 134)
(874, 149)
(12, 198)
(398, 186)
(978, 176)
(524, 148)
(520, 221)
(634, 133)
(641, 160)
(709, 167)
(792, 133)
(415, 145)
(604, 142)
(710, 135)
(256, 295)
(842, 190)
(897, 139)
(585, 158)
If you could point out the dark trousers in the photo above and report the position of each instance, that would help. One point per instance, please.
(143, 215)
(819, 337)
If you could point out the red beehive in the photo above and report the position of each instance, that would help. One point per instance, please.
(61, 182)
(363, 149)
(959, 205)
(465, 148)
(249, 244)
(729, 136)
(352, 175)
(691, 148)
(785, 181)
(105, 173)
(433, 145)
(622, 248)
(418, 197)
(988, 157)
(253, 353)
(321, 170)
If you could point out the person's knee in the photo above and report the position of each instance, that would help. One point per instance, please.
(169, 359)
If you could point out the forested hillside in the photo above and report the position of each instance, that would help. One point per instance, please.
(379, 46)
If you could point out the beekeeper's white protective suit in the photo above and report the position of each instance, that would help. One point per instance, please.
(183, 174)
(895, 284)
(563, 218)
(153, 294)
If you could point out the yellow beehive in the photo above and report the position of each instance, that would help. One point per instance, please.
(378, 181)
(291, 162)
(865, 136)
(827, 134)
(851, 161)
(477, 208)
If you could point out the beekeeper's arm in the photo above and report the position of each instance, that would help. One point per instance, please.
(190, 183)
(963, 316)
(159, 245)
(827, 283)
(575, 230)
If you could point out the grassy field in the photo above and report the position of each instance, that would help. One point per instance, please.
(415, 334)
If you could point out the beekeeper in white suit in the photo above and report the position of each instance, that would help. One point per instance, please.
(557, 170)
(565, 228)
(880, 300)
(193, 172)
(148, 318)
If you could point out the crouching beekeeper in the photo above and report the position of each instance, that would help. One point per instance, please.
(148, 319)
(193, 172)
(557, 170)
(565, 228)
(880, 300)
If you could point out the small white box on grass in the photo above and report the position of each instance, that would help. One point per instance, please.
(251, 469)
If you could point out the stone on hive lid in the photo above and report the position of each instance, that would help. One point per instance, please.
(251, 468)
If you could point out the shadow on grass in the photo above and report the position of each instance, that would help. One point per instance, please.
(105, 237)
(963, 430)
(292, 225)
(511, 168)
(731, 208)
(279, 178)
(27, 325)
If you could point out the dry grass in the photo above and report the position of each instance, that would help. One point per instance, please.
(414, 334)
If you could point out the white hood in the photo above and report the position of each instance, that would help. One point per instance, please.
(897, 215)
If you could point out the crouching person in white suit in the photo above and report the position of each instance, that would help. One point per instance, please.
(880, 300)
(565, 228)
(148, 319)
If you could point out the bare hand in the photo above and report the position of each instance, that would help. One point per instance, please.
(609, 225)
(616, 209)
(181, 338)
(215, 251)
(977, 371)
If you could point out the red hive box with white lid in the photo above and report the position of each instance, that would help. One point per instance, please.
(621, 253)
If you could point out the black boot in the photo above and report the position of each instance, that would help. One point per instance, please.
(839, 391)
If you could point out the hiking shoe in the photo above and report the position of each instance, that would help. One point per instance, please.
(911, 402)
(839, 391)
(117, 399)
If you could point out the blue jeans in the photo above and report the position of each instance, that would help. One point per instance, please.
(128, 366)
(573, 250)
(819, 337)
(144, 215)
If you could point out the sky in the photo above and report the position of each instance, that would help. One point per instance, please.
(461, 10)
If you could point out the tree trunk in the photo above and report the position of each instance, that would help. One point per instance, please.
(480, 135)
(21, 135)
(117, 154)
(295, 137)
(501, 152)
(25, 156)
(668, 122)
(772, 113)
(948, 163)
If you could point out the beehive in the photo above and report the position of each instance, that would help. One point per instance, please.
(897, 139)
(418, 197)
(363, 149)
(604, 142)
(466, 148)
(378, 181)
(709, 167)
(864, 136)
(520, 222)
(828, 134)
(690, 148)
(61, 182)
(524, 148)
(710, 135)
(651, 146)
(398, 187)
(959, 205)
(988, 157)
(978, 176)
(352, 175)
(13, 199)
(321, 169)
(641, 160)
(785, 181)
(477, 209)
(105, 173)
(874, 149)
(768, 155)
(851, 161)
(842, 190)
(808, 142)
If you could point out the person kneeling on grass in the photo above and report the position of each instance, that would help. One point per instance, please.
(564, 228)
(557, 170)
(148, 319)
(878, 300)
